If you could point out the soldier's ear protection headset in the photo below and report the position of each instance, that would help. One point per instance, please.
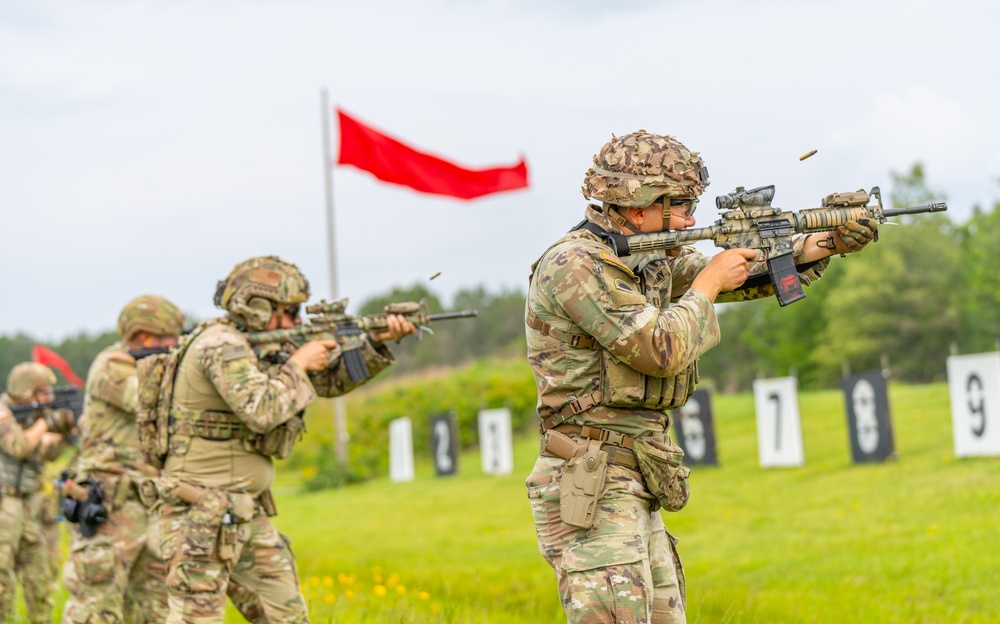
(255, 312)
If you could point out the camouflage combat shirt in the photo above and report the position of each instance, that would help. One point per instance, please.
(108, 432)
(640, 309)
(220, 372)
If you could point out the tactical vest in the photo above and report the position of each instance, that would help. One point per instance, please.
(212, 419)
(621, 385)
(20, 475)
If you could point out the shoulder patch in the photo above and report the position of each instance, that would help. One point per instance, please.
(624, 286)
(615, 261)
(234, 352)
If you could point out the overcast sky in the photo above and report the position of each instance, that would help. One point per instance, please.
(150, 146)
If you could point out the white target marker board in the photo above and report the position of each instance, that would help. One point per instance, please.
(779, 433)
(496, 442)
(401, 450)
(974, 387)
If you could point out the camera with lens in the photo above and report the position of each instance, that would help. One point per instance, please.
(88, 512)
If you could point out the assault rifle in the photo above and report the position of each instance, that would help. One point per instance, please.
(329, 321)
(66, 397)
(750, 222)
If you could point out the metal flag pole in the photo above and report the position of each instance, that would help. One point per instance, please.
(339, 407)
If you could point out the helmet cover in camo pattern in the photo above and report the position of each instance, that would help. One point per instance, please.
(28, 377)
(263, 277)
(636, 169)
(150, 313)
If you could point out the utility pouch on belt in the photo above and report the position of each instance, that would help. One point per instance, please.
(581, 486)
(660, 464)
(240, 511)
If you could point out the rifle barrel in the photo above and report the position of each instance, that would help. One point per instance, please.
(934, 207)
(445, 316)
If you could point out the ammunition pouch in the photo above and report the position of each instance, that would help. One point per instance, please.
(216, 426)
(20, 477)
(623, 386)
(278, 442)
(660, 464)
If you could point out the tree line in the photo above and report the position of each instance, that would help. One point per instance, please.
(928, 286)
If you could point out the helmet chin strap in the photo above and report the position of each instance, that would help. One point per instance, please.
(622, 219)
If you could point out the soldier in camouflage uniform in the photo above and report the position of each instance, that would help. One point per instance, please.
(23, 450)
(614, 344)
(117, 574)
(231, 413)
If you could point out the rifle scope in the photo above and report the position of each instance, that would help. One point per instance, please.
(760, 196)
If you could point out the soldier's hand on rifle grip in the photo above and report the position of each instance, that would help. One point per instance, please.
(398, 327)
(854, 235)
(726, 271)
(314, 356)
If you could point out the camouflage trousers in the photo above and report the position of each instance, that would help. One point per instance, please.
(118, 574)
(50, 519)
(243, 557)
(23, 556)
(623, 569)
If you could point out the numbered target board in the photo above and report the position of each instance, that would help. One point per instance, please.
(974, 386)
(401, 450)
(694, 430)
(868, 423)
(495, 441)
(779, 433)
(444, 444)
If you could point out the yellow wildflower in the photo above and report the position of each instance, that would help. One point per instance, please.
(380, 590)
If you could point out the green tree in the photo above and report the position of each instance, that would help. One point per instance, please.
(899, 298)
(980, 299)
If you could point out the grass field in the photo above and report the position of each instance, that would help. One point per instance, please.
(909, 541)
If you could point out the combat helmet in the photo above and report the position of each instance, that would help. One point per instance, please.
(252, 288)
(28, 377)
(636, 169)
(150, 313)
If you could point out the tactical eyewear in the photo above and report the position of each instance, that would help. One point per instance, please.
(691, 204)
(292, 311)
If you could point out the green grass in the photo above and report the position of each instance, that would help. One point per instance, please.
(908, 541)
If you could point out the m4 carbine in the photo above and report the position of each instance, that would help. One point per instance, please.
(330, 321)
(750, 222)
(66, 397)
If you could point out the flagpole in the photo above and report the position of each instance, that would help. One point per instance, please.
(339, 407)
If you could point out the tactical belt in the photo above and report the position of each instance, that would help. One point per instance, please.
(210, 425)
(617, 445)
(580, 341)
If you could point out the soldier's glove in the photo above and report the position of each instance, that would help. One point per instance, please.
(857, 234)
(60, 420)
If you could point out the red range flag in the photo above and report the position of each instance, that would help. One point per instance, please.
(391, 161)
(48, 357)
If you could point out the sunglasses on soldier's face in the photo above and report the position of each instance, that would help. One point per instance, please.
(292, 311)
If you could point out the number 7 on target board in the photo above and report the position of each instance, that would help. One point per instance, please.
(779, 433)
